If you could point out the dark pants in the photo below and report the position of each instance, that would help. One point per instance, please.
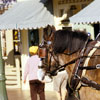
(37, 87)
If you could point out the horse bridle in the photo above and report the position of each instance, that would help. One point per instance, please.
(46, 48)
(47, 45)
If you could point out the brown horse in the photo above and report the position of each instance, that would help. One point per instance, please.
(80, 56)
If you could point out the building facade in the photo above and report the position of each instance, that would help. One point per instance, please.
(16, 42)
(63, 9)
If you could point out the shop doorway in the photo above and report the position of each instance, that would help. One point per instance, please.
(33, 37)
(96, 29)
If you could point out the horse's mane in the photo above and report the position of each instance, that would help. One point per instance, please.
(69, 40)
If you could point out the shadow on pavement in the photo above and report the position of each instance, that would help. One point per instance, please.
(18, 94)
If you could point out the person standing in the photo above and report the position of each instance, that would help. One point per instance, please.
(31, 69)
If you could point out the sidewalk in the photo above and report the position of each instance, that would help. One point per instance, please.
(18, 94)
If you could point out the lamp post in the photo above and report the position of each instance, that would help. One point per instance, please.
(3, 92)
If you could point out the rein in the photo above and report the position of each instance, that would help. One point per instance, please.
(62, 67)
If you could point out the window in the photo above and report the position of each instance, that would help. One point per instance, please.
(68, 28)
(61, 12)
(83, 6)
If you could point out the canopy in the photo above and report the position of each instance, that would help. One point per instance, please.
(90, 14)
(26, 15)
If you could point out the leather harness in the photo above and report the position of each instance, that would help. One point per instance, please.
(77, 79)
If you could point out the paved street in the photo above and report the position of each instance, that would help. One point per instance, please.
(18, 94)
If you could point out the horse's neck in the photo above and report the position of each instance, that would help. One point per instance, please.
(65, 59)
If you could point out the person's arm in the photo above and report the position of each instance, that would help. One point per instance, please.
(40, 62)
(26, 71)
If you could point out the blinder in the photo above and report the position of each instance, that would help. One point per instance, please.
(42, 52)
(43, 49)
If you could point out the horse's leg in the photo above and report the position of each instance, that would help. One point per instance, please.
(56, 83)
(58, 95)
(63, 94)
(60, 84)
(63, 90)
(62, 87)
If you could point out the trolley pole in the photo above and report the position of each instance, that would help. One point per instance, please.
(3, 92)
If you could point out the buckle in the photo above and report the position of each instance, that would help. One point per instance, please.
(98, 66)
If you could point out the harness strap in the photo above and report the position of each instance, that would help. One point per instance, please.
(77, 74)
(89, 83)
(90, 54)
(90, 67)
(87, 61)
(62, 67)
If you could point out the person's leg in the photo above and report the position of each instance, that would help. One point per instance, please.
(41, 91)
(42, 95)
(33, 91)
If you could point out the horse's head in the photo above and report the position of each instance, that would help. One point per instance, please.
(48, 57)
(57, 48)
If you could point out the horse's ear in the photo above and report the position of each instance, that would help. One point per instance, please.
(48, 32)
(45, 35)
(51, 35)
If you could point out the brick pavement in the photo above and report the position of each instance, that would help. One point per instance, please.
(18, 94)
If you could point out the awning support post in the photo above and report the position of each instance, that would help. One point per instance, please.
(3, 92)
